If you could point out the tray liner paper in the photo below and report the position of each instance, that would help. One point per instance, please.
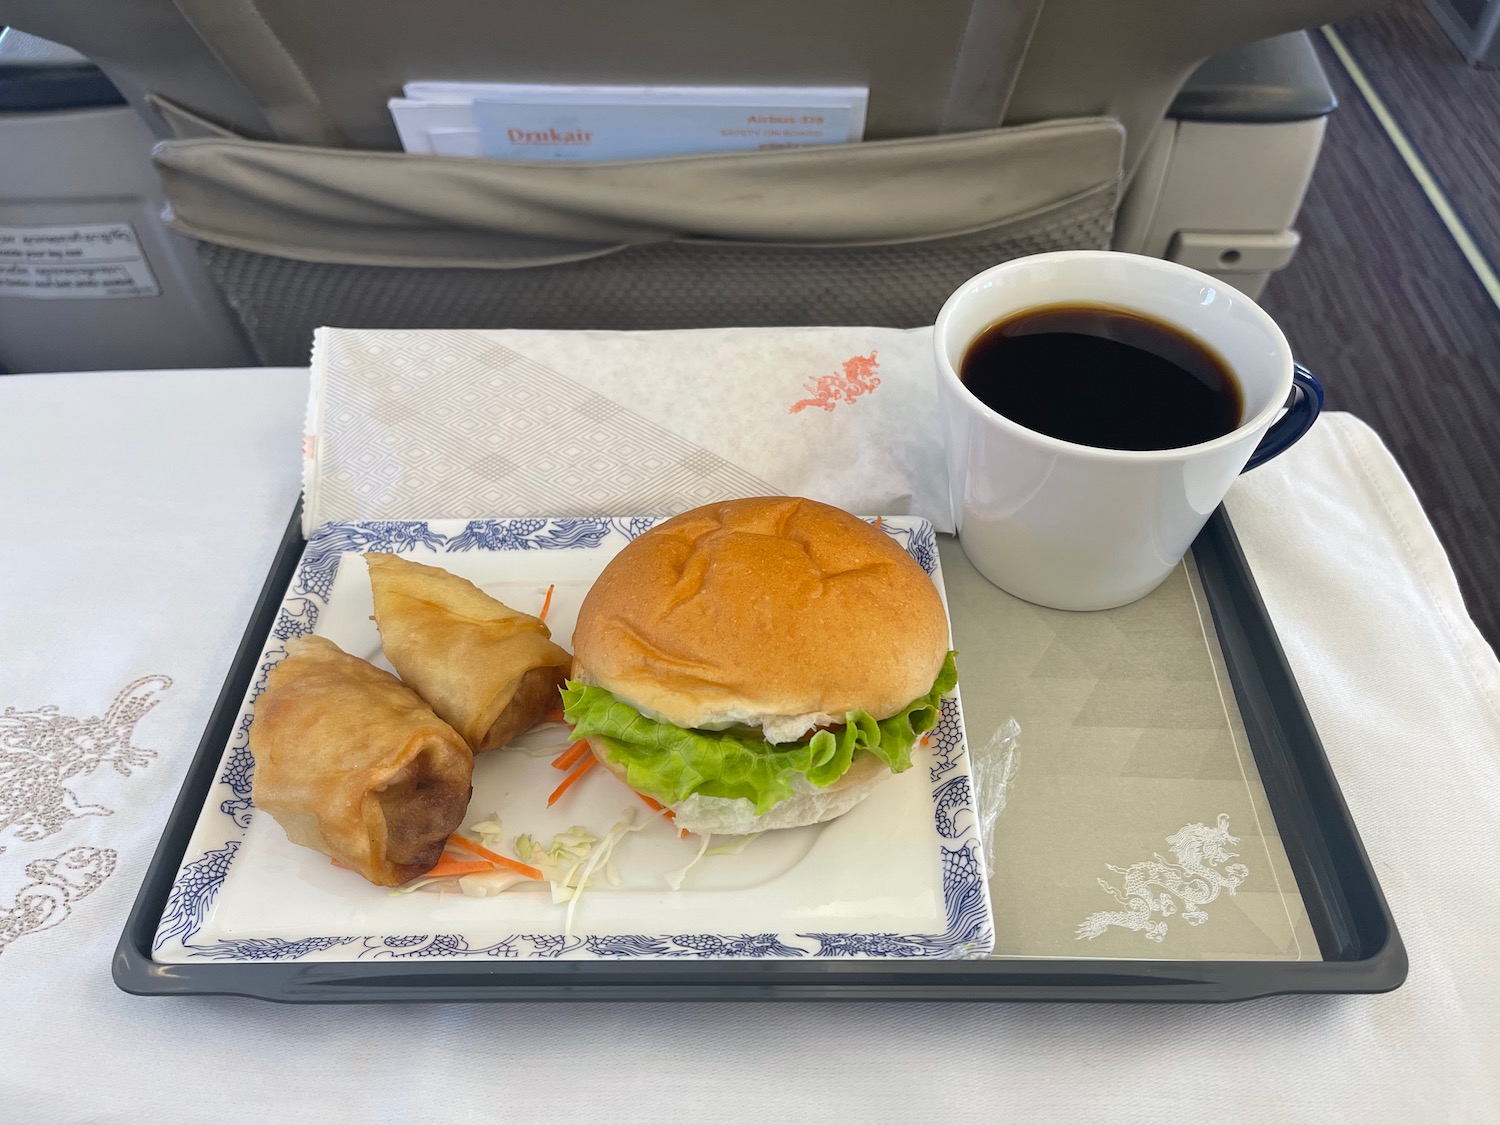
(1136, 824)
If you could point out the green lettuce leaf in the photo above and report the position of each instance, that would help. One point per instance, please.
(671, 763)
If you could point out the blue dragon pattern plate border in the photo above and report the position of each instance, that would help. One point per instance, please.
(227, 811)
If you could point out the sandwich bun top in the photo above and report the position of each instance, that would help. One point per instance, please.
(777, 612)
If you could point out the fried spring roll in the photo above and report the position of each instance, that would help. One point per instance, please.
(350, 762)
(489, 670)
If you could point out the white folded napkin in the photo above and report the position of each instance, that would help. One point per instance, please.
(424, 424)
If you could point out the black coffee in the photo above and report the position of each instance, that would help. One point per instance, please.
(1103, 377)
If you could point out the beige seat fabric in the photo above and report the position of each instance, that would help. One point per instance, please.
(336, 205)
(680, 284)
(870, 233)
(320, 71)
(297, 235)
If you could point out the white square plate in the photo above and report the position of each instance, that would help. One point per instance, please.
(900, 875)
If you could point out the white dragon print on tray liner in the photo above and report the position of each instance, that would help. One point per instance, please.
(1186, 886)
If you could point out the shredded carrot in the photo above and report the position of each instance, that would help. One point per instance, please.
(344, 867)
(546, 604)
(446, 867)
(567, 782)
(496, 858)
(571, 756)
(926, 740)
(554, 716)
(878, 521)
(653, 803)
(682, 833)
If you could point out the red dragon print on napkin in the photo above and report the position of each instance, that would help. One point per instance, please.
(857, 378)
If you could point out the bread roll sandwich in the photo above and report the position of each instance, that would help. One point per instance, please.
(758, 664)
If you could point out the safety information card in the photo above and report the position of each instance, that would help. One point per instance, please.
(89, 260)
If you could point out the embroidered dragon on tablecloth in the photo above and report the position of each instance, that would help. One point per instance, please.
(41, 750)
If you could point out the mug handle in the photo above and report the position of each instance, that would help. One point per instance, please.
(1307, 402)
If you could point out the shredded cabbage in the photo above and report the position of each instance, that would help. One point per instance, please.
(415, 885)
(621, 828)
(490, 831)
(674, 878)
(739, 845)
(484, 884)
(569, 861)
(545, 740)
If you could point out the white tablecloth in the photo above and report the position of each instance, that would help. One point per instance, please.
(138, 515)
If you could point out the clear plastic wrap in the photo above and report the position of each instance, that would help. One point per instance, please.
(994, 768)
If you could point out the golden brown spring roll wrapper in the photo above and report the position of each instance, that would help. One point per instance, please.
(488, 669)
(350, 762)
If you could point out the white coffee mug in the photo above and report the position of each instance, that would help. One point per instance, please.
(1078, 527)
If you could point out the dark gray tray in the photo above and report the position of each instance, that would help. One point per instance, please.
(1356, 935)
